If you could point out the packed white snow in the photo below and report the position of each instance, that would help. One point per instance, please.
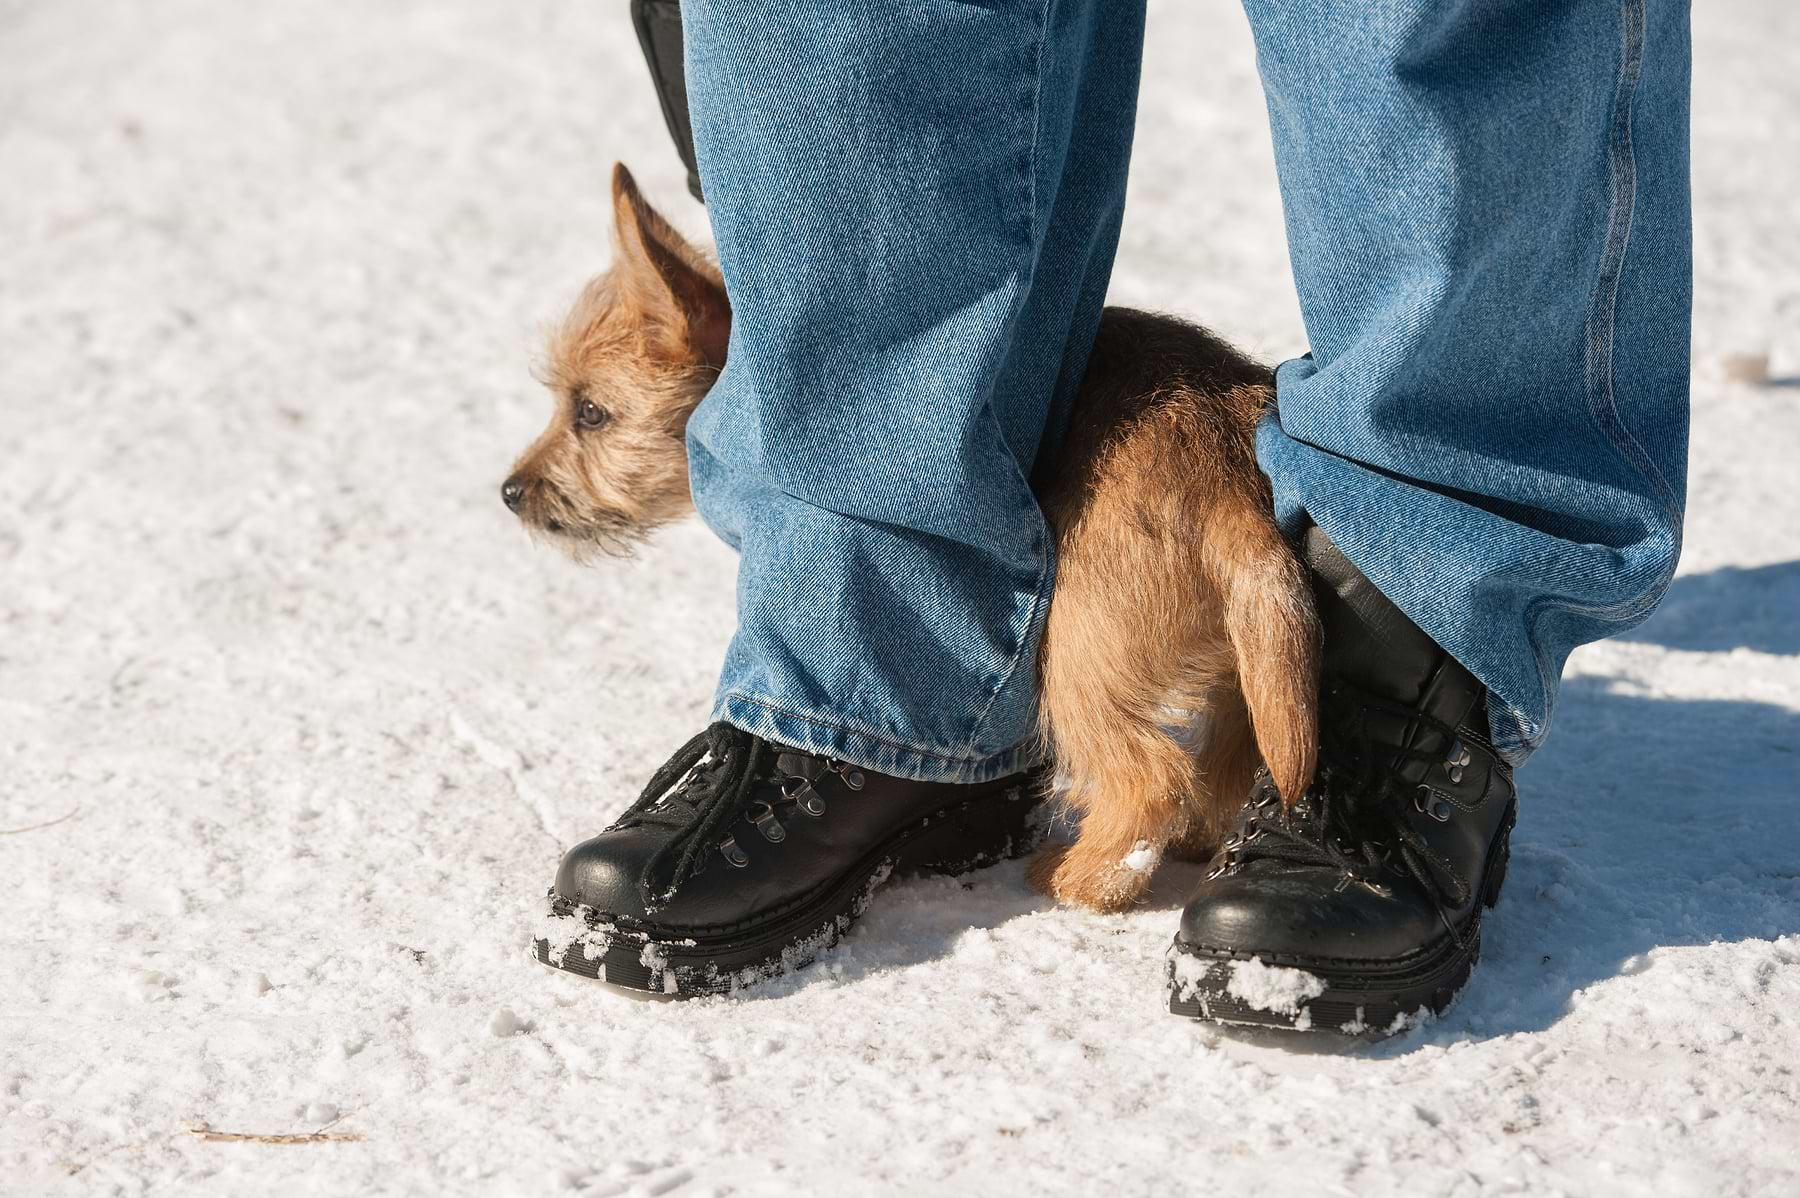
(1276, 988)
(294, 722)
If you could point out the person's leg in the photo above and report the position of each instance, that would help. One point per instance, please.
(1488, 218)
(1487, 212)
(916, 208)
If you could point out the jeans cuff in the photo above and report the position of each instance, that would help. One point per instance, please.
(828, 737)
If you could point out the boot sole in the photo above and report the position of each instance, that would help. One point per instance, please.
(1370, 1000)
(956, 840)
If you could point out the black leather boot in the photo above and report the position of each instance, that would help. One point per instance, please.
(1361, 905)
(743, 860)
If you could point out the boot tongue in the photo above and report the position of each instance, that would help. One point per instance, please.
(1371, 645)
(1368, 640)
(800, 765)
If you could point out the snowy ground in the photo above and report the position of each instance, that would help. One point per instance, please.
(294, 722)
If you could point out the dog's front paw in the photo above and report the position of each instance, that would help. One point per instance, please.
(1101, 880)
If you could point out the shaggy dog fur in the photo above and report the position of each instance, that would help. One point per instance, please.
(1176, 596)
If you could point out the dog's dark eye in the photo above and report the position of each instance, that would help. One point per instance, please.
(589, 415)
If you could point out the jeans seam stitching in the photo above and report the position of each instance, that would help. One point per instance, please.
(1621, 213)
(1601, 326)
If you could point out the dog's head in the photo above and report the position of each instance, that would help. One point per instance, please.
(627, 367)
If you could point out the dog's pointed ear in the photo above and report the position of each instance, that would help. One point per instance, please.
(669, 273)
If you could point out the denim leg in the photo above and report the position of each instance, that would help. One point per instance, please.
(1487, 212)
(916, 207)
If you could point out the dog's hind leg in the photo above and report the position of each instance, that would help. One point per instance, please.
(1226, 758)
(1130, 795)
(1112, 658)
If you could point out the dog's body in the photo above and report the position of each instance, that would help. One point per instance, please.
(1175, 592)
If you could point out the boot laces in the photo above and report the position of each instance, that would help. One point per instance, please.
(1351, 820)
(720, 774)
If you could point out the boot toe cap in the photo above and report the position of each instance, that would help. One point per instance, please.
(1300, 917)
(603, 873)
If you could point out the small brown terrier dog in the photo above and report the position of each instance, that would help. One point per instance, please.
(1175, 596)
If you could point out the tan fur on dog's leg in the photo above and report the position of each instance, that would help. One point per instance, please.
(1123, 830)
(1226, 762)
(1118, 644)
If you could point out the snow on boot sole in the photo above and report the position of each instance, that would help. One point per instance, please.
(1368, 999)
(957, 840)
(1204, 984)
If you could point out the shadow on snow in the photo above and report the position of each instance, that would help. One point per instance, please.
(1749, 607)
(1645, 823)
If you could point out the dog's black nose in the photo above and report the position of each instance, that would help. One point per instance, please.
(512, 493)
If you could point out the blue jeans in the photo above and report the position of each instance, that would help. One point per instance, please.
(916, 208)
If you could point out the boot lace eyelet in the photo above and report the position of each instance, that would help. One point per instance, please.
(1427, 801)
(733, 854)
(763, 816)
(801, 793)
(1457, 760)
